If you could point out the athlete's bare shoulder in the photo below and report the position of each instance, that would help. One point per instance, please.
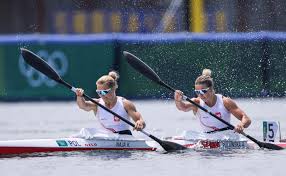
(229, 103)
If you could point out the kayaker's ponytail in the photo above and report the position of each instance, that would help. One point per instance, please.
(205, 78)
(109, 80)
(207, 72)
(114, 75)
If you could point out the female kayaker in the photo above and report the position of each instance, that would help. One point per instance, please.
(106, 88)
(218, 104)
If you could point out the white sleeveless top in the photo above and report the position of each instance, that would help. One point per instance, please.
(111, 122)
(210, 123)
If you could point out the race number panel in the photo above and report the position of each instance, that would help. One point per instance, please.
(270, 130)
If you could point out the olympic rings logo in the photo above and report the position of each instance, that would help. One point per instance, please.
(57, 60)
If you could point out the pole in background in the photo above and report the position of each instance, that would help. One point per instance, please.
(197, 17)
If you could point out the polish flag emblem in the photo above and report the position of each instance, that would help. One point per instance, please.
(218, 114)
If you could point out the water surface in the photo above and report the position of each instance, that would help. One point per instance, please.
(35, 120)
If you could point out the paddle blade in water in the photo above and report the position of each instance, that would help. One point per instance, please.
(171, 146)
(167, 145)
(263, 144)
(270, 146)
(141, 67)
(39, 64)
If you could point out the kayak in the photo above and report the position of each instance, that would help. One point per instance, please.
(128, 143)
(73, 144)
(219, 144)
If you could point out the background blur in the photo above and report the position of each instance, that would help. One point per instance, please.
(242, 41)
(143, 16)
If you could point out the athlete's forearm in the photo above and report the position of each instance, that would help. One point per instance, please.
(245, 121)
(82, 103)
(181, 106)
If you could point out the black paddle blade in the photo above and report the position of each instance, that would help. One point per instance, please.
(270, 146)
(39, 64)
(264, 144)
(168, 145)
(171, 146)
(141, 67)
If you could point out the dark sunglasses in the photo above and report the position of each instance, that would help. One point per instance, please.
(103, 92)
(202, 91)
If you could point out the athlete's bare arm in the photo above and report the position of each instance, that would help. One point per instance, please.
(184, 105)
(82, 103)
(134, 114)
(232, 107)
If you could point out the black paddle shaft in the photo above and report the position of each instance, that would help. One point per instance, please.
(168, 146)
(97, 103)
(260, 144)
(39, 64)
(148, 72)
(197, 105)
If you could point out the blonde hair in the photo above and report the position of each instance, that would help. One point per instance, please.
(205, 78)
(109, 80)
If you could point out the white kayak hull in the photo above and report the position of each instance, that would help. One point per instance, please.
(219, 144)
(79, 144)
(72, 144)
